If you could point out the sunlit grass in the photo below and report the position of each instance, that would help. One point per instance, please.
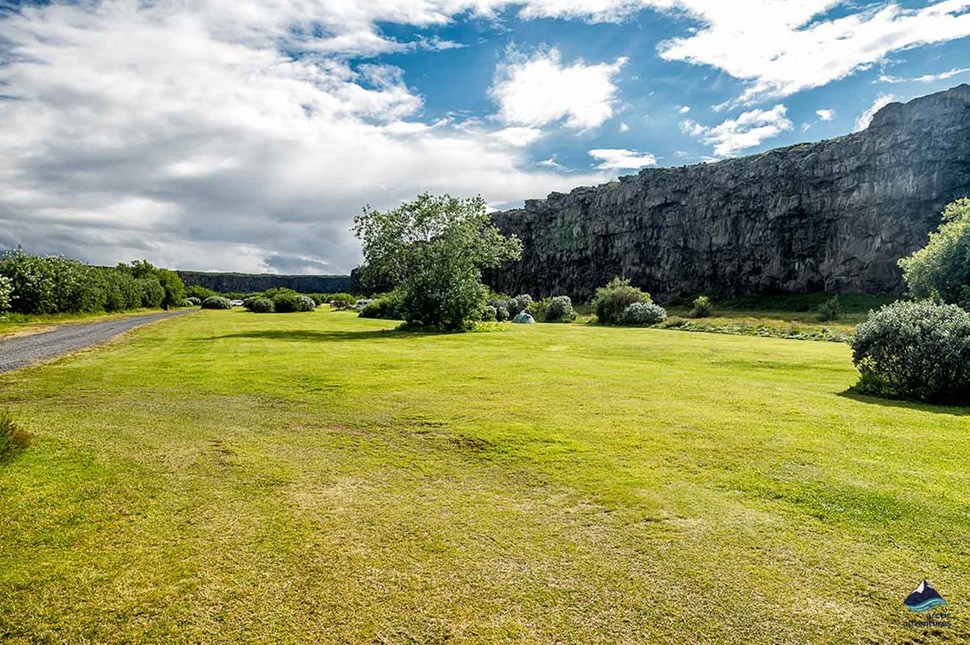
(228, 476)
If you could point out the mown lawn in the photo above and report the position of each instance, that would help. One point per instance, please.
(314, 477)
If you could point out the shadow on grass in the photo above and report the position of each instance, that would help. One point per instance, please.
(953, 410)
(306, 335)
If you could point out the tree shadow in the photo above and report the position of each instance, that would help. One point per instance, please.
(953, 410)
(310, 335)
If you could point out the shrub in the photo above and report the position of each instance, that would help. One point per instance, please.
(613, 299)
(286, 303)
(488, 313)
(259, 305)
(559, 309)
(941, 270)
(915, 350)
(501, 313)
(199, 292)
(830, 310)
(518, 304)
(6, 290)
(341, 301)
(152, 293)
(702, 307)
(306, 303)
(388, 306)
(216, 302)
(12, 437)
(643, 313)
(193, 301)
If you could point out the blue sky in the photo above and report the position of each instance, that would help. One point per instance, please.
(244, 135)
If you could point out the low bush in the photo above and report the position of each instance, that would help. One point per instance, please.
(306, 303)
(643, 313)
(518, 304)
(915, 350)
(259, 305)
(830, 310)
(559, 309)
(199, 292)
(216, 302)
(703, 307)
(388, 306)
(286, 303)
(613, 300)
(341, 301)
(501, 313)
(193, 301)
(12, 438)
(488, 313)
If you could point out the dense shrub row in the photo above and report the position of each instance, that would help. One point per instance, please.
(279, 300)
(34, 284)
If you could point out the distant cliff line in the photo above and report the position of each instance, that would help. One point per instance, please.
(834, 215)
(253, 282)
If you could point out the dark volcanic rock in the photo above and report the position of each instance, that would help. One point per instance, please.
(253, 282)
(834, 215)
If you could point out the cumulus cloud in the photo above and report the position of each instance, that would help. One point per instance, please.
(748, 130)
(683, 109)
(225, 152)
(825, 114)
(864, 119)
(622, 159)
(540, 90)
(783, 46)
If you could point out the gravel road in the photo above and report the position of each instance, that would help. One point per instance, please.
(24, 350)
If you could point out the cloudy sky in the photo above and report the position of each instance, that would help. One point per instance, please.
(245, 135)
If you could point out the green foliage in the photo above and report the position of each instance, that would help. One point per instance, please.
(433, 249)
(520, 303)
(643, 313)
(488, 313)
(702, 307)
(286, 302)
(559, 309)
(306, 303)
(173, 289)
(193, 301)
(830, 310)
(612, 300)
(152, 293)
(501, 313)
(941, 269)
(259, 305)
(915, 350)
(200, 292)
(12, 438)
(341, 301)
(389, 306)
(216, 302)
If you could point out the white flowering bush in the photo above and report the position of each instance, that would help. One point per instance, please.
(643, 313)
(559, 309)
(6, 291)
(915, 350)
(216, 302)
(307, 303)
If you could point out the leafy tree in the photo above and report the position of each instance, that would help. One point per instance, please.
(433, 249)
(941, 269)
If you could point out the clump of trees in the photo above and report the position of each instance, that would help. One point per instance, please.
(36, 284)
(432, 250)
(620, 303)
(941, 270)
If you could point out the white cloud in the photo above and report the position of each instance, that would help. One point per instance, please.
(551, 163)
(624, 127)
(825, 114)
(783, 46)
(683, 109)
(926, 78)
(539, 90)
(518, 137)
(621, 159)
(750, 129)
(865, 118)
(221, 153)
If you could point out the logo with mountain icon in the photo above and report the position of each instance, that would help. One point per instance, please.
(924, 598)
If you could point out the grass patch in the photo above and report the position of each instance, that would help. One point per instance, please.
(12, 438)
(322, 477)
(15, 324)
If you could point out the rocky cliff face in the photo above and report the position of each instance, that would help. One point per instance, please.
(833, 216)
(253, 282)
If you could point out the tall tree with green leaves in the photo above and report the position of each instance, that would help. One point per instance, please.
(433, 250)
(941, 269)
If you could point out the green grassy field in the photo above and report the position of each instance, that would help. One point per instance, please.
(16, 324)
(315, 477)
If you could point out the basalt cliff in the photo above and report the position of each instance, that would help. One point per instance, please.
(835, 215)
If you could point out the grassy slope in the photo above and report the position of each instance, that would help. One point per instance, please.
(311, 476)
